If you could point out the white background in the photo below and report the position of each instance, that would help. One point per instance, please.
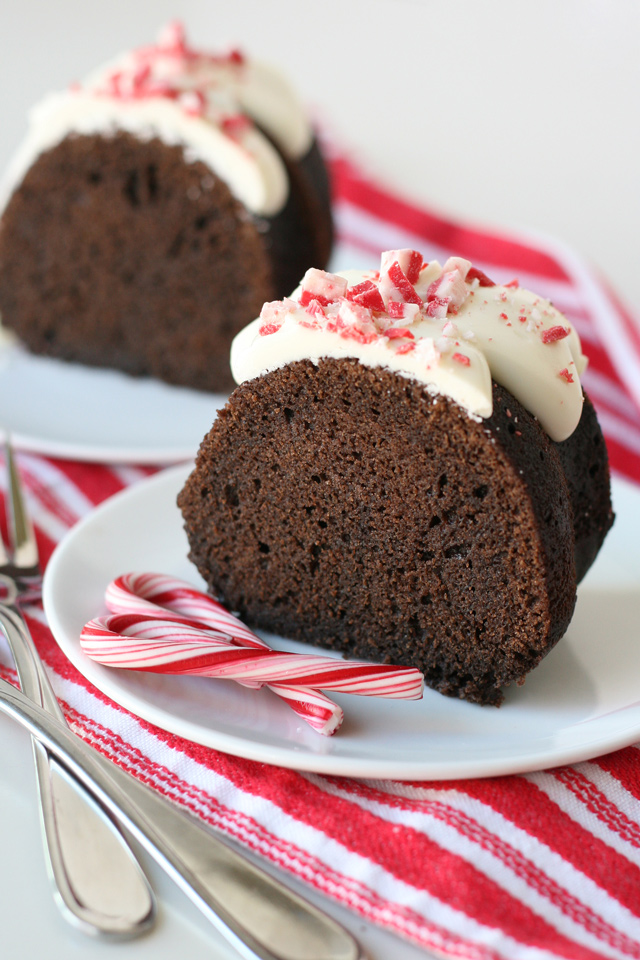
(505, 112)
(524, 115)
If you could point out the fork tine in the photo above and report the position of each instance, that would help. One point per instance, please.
(4, 559)
(4, 556)
(25, 550)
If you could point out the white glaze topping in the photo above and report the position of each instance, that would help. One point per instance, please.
(448, 327)
(205, 103)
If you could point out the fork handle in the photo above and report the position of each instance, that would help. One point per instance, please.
(97, 882)
(254, 911)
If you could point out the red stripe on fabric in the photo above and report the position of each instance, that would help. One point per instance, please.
(54, 505)
(623, 461)
(362, 243)
(600, 360)
(612, 409)
(599, 804)
(283, 852)
(46, 546)
(531, 810)
(524, 805)
(4, 528)
(450, 878)
(9, 674)
(609, 408)
(96, 482)
(630, 323)
(465, 241)
(624, 766)
(616, 417)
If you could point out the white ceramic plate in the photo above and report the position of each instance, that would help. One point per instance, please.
(67, 410)
(582, 701)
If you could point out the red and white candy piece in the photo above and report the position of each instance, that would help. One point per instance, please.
(321, 286)
(366, 294)
(553, 334)
(409, 261)
(171, 38)
(356, 322)
(450, 287)
(322, 714)
(163, 625)
(394, 283)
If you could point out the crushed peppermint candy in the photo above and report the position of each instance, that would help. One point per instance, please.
(366, 294)
(554, 333)
(387, 303)
(323, 287)
(172, 70)
(428, 322)
(461, 358)
(395, 332)
(483, 280)
(383, 305)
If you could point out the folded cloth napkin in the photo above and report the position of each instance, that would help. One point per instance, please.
(538, 865)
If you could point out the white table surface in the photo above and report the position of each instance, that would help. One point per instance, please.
(506, 113)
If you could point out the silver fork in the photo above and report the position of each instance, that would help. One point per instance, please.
(97, 881)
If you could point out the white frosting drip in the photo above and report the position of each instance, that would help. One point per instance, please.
(252, 169)
(488, 332)
(207, 118)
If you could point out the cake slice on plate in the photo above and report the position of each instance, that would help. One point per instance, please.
(153, 208)
(408, 472)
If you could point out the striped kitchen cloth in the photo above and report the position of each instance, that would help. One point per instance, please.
(540, 865)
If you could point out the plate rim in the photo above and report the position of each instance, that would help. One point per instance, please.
(294, 757)
(107, 453)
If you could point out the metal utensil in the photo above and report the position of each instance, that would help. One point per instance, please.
(98, 884)
(258, 914)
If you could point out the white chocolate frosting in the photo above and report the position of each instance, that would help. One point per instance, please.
(448, 327)
(210, 105)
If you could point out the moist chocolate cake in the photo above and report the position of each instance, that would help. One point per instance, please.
(152, 211)
(420, 515)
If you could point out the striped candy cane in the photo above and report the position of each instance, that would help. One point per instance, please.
(159, 595)
(163, 625)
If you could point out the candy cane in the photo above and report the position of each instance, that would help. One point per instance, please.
(167, 646)
(146, 592)
(159, 595)
(322, 714)
(163, 625)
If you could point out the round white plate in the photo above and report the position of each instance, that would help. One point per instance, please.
(582, 701)
(85, 413)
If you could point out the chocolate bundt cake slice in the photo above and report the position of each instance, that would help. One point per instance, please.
(358, 507)
(152, 211)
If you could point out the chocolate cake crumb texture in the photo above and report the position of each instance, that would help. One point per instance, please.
(116, 252)
(349, 508)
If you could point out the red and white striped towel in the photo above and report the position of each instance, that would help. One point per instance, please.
(531, 866)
